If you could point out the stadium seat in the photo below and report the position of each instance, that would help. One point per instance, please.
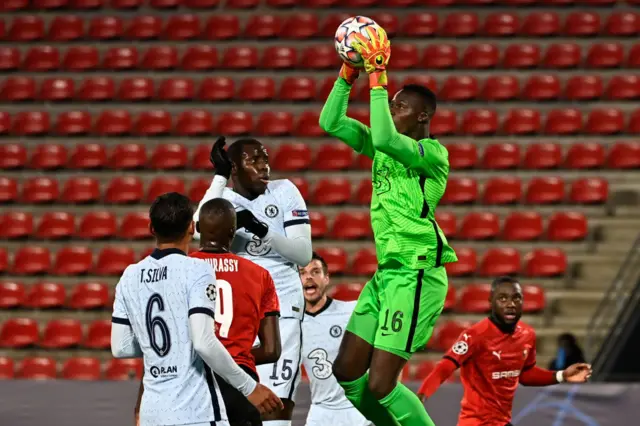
(521, 56)
(61, 334)
(542, 87)
(351, 225)
(9, 59)
(622, 24)
(256, 89)
(18, 89)
(114, 260)
(459, 88)
(98, 335)
(182, 28)
(302, 185)
(624, 156)
(462, 156)
(31, 123)
(89, 295)
(460, 191)
(583, 88)
(163, 185)
(545, 190)
(169, 157)
(534, 299)
(12, 294)
(542, 156)
(113, 123)
(582, 24)
(479, 226)
(346, 292)
(523, 121)
(153, 123)
(567, 226)
(522, 226)
(563, 122)
(12, 156)
(120, 58)
(40, 190)
(31, 261)
(216, 89)
(605, 121)
(200, 159)
(83, 368)
(275, 123)
(501, 156)
(545, 263)
(26, 28)
(447, 222)
(80, 190)
(507, 190)
(194, 123)
(56, 90)
(335, 156)
(501, 25)
(123, 369)
(124, 190)
(459, 24)
(336, 259)
(200, 58)
(322, 57)
(474, 299)
(81, 59)
(589, 191)
(308, 126)
(55, 225)
(319, 225)
(16, 225)
(363, 192)
(136, 89)
(73, 260)
(466, 265)
(500, 261)
(585, 156)
(446, 335)
(176, 90)
(19, 333)
(49, 4)
(128, 157)
(562, 56)
(49, 157)
(198, 188)
(160, 58)
(221, 27)
(45, 295)
(331, 191)
(480, 56)
(144, 27)
(364, 263)
(605, 55)
(300, 26)
(623, 87)
(97, 225)
(73, 123)
(440, 56)
(419, 25)
(292, 157)
(6, 368)
(66, 28)
(37, 368)
(135, 226)
(541, 24)
(500, 88)
(235, 123)
(105, 28)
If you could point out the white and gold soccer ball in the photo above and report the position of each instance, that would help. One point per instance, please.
(345, 36)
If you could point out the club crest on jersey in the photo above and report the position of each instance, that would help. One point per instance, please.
(271, 211)
(335, 331)
(460, 348)
(211, 292)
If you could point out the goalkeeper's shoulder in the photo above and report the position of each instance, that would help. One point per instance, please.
(434, 153)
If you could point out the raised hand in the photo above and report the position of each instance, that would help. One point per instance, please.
(349, 73)
(265, 400)
(577, 373)
(245, 219)
(220, 159)
(375, 52)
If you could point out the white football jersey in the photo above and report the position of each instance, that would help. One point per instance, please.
(155, 297)
(323, 332)
(280, 206)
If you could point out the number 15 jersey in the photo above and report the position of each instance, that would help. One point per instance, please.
(246, 294)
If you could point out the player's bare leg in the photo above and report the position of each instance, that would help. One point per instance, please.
(350, 369)
(400, 401)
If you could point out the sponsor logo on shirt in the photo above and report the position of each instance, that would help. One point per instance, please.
(300, 213)
(496, 375)
(460, 348)
(170, 371)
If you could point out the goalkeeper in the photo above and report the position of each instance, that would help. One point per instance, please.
(398, 308)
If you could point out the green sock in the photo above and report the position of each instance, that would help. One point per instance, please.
(406, 407)
(361, 397)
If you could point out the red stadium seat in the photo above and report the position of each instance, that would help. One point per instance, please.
(567, 226)
(113, 123)
(440, 56)
(563, 122)
(336, 259)
(292, 157)
(622, 24)
(194, 123)
(480, 56)
(66, 28)
(124, 190)
(235, 123)
(534, 299)
(128, 156)
(124, 369)
(25, 29)
(160, 58)
(350, 226)
(135, 226)
(136, 89)
(364, 263)
(89, 295)
(37, 368)
(459, 88)
(634, 122)
(297, 89)
(55, 225)
(545, 263)
(40, 190)
(419, 24)
(474, 299)
(182, 27)
(462, 156)
(105, 28)
(81, 369)
(144, 27)
(80, 59)
(98, 335)
(623, 87)
(308, 126)
(522, 226)
(153, 123)
(61, 334)
(31, 261)
(522, 122)
(73, 123)
(216, 89)
(12, 156)
(15, 225)
(479, 226)
(364, 192)
(11, 5)
(120, 58)
(31, 123)
(18, 333)
(501, 25)
(501, 156)
(5, 122)
(221, 27)
(49, 4)
(331, 191)
(176, 90)
(545, 190)
(583, 88)
(12, 294)
(97, 225)
(18, 89)
(279, 57)
(543, 156)
(80, 190)
(585, 156)
(257, 89)
(300, 26)
(448, 223)
(114, 260)
(46, 295)
(319, 225)
(322, 57)
(346, 292)
(541, 24)
(624, 155)
(73, 260)
(582, 24)
(163, 185)
(302, 185)
(57, 90)
(500, 261)
(9, 58)
(240, 58)
(242, 4)
(542, 87)
(589, 191)
(500, 88)
(200, 58)
(6, 368)
(460, 191)
(198, 188)
(562, 56)
(200, 159)
(521, 56)
(507, 190)
(333, 157)
(605, 121)
(605, 55)
(4, 260)
(466, 264)
(460, 24)
(275, 123)
(169, 157)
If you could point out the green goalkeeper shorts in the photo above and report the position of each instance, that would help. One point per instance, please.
(398, 308)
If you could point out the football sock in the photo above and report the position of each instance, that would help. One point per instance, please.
(277, 423)
(406, 407)
(361, 397)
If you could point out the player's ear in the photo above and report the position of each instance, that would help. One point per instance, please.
(151, 230)
(190, 231)
(423, 117)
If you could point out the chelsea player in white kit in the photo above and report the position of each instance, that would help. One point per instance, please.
(323, 327)
(163, 312)
(274, 232)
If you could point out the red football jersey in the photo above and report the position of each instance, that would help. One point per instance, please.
(246, 294)
(490, 362)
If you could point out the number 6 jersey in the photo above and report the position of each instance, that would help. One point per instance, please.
(246, 294)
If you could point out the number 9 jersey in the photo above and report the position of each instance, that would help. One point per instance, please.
(245, 295)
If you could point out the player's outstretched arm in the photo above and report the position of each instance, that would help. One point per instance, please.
(536, 376)
(334, 120)
(442, 371)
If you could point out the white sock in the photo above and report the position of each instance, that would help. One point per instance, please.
(277, 423)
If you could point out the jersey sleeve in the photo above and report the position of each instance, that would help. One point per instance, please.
(530, 360)
(295, 209)
(120, 314)
(427, 156)
(269, 304)
(334, 120)
(462, 349)
(202, 293)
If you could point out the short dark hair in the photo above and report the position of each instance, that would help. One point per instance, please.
(236, 148)
(170, 215)
(427, 96)
(216, 206)
(505, 279)
(325, 267)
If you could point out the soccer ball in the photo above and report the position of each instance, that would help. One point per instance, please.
(345, 36)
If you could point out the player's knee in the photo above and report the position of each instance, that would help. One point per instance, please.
(380, 385)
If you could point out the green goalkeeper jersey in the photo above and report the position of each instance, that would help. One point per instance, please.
(409, 178)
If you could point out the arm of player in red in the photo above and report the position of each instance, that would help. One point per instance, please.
(269, 331)
(532, 375)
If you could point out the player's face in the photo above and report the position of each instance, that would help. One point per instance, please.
(507, 302)
(314, 281)
(253, 170)
(407, 112)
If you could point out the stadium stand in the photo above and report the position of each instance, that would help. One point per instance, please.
(106, 104)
